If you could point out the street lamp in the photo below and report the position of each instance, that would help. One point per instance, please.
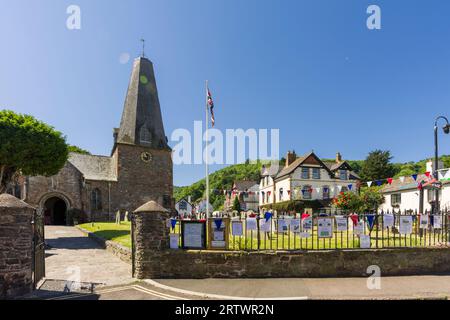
(446, 130)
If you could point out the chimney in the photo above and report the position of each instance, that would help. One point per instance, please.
(290, 158)
(338, 157)
(430, 165)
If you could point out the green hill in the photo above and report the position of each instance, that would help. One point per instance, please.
(223, 179)
(220, 180)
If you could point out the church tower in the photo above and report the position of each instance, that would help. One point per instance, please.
(141, 154)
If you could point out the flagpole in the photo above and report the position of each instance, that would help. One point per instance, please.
(206, 153)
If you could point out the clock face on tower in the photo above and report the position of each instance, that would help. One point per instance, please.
(146, 156)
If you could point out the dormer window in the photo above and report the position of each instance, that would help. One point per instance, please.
(316, 173)
(305, 173)
(343, 174)
(145, 136)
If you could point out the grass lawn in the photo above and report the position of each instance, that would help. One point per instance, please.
(119, 233)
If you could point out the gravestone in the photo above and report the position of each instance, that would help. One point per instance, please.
(16, 247)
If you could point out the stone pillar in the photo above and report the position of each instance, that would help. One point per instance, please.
(16, 247)
(150, 239)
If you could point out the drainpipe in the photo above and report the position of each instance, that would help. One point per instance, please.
(109, 199)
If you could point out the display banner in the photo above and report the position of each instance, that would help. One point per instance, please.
(406, 224)
(325, 227)
(237, 229)
(424, 220)
(359, 228)
(341, 223)
(388, 221)
(251, 224)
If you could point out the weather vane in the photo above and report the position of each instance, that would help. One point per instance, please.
(143, 48)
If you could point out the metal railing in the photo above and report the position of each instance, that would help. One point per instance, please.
(355, 231)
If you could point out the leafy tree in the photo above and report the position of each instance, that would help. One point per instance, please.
(29, 147)
(76, 149)
(348, 201)
(371, 198)
(236, 204)
(377, 166)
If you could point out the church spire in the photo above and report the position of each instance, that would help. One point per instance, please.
(141, 122)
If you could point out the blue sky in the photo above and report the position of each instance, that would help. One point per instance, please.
(310, 68)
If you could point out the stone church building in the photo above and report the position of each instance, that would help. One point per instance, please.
(138, 170)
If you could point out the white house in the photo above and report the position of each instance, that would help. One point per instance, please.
(407, 194)
(307, 178)
(183, 207)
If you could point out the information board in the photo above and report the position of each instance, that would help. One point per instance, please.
(193, 235)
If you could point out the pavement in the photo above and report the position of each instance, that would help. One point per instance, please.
(77, 268)
(74, 257)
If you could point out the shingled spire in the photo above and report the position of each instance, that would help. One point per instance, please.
(141, 122)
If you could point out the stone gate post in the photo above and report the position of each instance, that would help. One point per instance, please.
(16, 247)
(150, 239)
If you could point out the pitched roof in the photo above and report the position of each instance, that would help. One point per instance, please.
(243, 185)
(99, 168)
(299, 161)
(408, 184)
(151, 206)
(9, 201)
(141, 108)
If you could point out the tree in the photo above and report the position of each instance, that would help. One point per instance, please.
(377, 166)
(371, 199)
(76, 149)
(236, 204)
(29, 147)
(348, 201)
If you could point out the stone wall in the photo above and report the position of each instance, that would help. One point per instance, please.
(154, 260)
(67, 183)
(179, 264)
(16, 243)
(115, 248)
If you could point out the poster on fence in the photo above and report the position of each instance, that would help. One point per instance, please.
(174, 240)
(325, 227)
(341, 223)
(265, 226)
(437, 222)
(424, 220)
(406, 224)
(305, 235)
(295, 225)
(193, 234)
(364, 242)
(359, 228)
(307, 223)
(237, 229)
(388, 220)
(282, 226)
(251, 224)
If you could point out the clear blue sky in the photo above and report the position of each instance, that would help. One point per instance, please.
(310, 68)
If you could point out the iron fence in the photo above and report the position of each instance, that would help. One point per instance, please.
(347, 231)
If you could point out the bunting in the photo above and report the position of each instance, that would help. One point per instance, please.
(218, 223)
(369, 183)
(267, 216)
(173, 223)
(370, 220)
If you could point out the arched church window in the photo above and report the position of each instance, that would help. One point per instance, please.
(96, 199)
(145, 136)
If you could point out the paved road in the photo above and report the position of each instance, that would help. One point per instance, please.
(73, 256)
(411, 287)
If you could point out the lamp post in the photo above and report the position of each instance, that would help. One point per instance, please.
(446, 130)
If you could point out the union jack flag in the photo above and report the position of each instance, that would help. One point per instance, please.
(211, 107)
